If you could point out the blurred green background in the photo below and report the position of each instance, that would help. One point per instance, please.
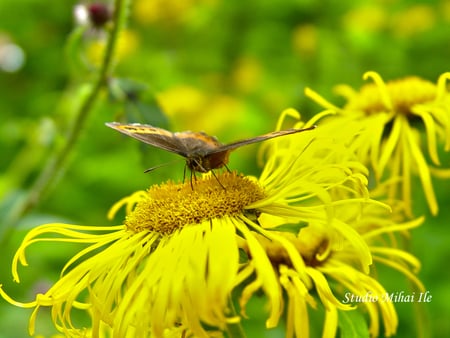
(226, 67)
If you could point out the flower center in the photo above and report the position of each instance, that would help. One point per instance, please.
(171, 206)
(313, 246)
(403, 95)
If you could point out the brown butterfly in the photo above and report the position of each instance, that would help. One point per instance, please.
(203, 153)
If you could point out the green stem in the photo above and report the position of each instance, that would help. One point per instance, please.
(421, 318)
(234, 329)
(54, 168)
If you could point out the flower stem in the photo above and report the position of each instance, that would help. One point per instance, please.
(234, 329)
(54, 168)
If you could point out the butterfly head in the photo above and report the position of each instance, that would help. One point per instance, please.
(206, 163)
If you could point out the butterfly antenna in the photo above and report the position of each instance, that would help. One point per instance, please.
(159, 166)
(302, 151)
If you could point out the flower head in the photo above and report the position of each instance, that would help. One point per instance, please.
(334, 251)
(97, 14)
(182, 251)
(174, 260)
(388, 124)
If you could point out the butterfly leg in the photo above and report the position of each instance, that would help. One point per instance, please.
(195, 178)
(228, 169)
(191, 173)
(217, 179)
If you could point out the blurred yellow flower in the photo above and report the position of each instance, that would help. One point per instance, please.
(247, 74)
(166, 12)
(444, 10)
(385, 124)
(305, 40)
(365, 18)
(194, 109)
(415, 19)
(127, 44)
(182, 100)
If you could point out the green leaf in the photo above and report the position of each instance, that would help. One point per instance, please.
(291, 227)
(73, 50)
(146, 112)
(352, 324)
(122, 89)
(139, 104)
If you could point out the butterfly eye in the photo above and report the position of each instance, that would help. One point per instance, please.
(197, 164)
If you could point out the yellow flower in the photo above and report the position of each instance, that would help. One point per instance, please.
(385, 124)
(247, 74)
(197, 110)
(167, 12)
(337, 248)
(127, 44)
(169, 263)
(414, 20)
(379, 227)
(305, 40)
(365, 19)
(174, 263)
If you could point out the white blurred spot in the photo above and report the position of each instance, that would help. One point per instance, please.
(81, 14)
(12, 57)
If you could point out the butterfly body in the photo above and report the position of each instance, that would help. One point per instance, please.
(202, 152)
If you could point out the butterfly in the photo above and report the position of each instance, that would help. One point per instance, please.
(202, 152)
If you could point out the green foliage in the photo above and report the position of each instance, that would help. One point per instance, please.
(352, 325)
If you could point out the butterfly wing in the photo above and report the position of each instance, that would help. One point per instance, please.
(203, 152)
(186, 143)
(268, 136)
(154, 136)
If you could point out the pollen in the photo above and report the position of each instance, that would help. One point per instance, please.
(171, 206)
(401, 95)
